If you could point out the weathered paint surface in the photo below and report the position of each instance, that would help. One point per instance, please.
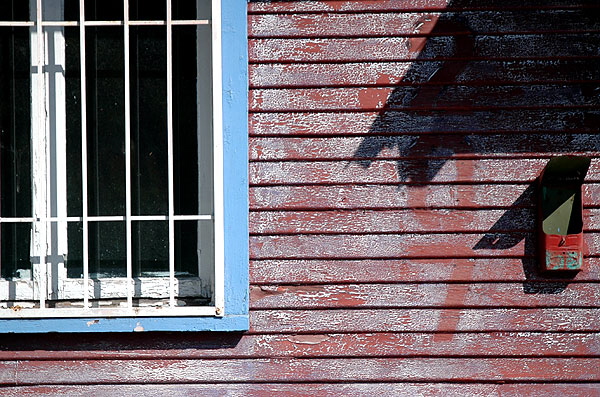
(312, 389)
(394, 148)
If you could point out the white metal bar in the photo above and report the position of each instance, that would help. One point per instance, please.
(127, 89)
(219, 253)
(39, 163)
(116, 218)
(59, 23)
(171, 188)
(17, 24)
(193, 217)
(84, 172)
(191, 22)
(56, 166)
(17, 220)
(108, 23)
(104, 23)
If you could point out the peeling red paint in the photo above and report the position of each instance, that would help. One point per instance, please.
(401, 269)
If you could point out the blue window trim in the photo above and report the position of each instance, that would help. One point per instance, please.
(235, 154)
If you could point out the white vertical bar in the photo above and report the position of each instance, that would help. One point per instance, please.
(170, 155)
(39, 154)
(56, 177)
(127, 155)
(219, 267)
(84, 172)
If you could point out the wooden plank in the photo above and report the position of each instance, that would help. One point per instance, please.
(403, 221)
(398, 221)
(386, 344)
(386, 171)
(425, 320)
(421, 23)
(323, 271)
(400, 246)
(412, 73)
(504, 47)
(306, 389)
(396, 122)
(337, 6)
(419, 295)
(420, 98)
(366, 196)
(426, 146)
(300, 370)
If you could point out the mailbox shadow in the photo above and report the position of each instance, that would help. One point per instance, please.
(420, 105)
(536, 282)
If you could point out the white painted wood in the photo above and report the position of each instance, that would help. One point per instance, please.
(105, 288)
(146, 287)
(209, 133)
(171, 183)
(217, 98)
(55, 129)
(84, 172)
(158, 310)
(127, 89)
(17, 290)
(39, 148)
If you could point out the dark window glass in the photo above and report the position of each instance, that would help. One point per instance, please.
(143, 10)
(148, 66)
(14, 10)
(105, 121)
(15, 147)
(104, 10)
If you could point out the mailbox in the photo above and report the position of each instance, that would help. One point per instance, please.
(560, 213)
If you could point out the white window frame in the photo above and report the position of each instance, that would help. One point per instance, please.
(232, 304)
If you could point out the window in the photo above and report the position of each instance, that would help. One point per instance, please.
(123, 167)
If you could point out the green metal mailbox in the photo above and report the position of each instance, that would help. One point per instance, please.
(560, 213)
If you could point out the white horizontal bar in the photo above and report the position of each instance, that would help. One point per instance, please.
(117, 218)
(191, 22)
(60, 23)
(17, 220)
(192, 217)
(16, 23)
(106, 23)
(103, 23)
(175, 217)
(110, 312)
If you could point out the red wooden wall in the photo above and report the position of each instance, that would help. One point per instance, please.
(394, 147)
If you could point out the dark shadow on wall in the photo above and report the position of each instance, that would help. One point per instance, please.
(436, 113)
(498, 238)
(113, 343)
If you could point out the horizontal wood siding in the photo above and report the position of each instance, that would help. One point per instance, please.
(394, 149)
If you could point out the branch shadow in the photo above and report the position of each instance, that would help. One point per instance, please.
(426, 123)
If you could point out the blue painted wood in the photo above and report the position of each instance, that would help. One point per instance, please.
(125, 324)
(235, 146)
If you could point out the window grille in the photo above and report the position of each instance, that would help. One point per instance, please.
(111, 158)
